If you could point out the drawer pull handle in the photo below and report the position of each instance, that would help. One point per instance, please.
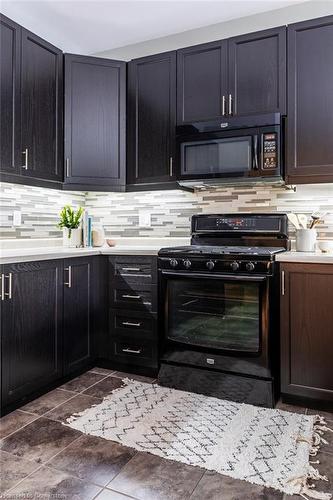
(25, 153)
(131, 269)
(132, 351)
(135, 297)
(10, 286)
(2, 287)
(69, 282)
(129, 323)
(283, 283)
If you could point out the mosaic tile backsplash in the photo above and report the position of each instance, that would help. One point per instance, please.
(170, 211)
(39, 207)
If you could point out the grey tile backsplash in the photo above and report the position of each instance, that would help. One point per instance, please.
(170, 211)
(39, 207)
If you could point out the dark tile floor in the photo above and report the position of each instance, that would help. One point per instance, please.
(40, 458)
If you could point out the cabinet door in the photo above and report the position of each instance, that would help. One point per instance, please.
(152, 117)
(310, 102)
(95, 113)
(257, 72)
(201, 82)
(10, 47)
(77, 314)
(307, 331)
(31, 328)
(41, 108)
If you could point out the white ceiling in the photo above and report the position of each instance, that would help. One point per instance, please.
(87, 27)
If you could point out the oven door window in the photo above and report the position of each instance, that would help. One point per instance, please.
(222, 315)
(232, 156)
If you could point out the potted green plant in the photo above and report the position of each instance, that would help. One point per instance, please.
(70, 221)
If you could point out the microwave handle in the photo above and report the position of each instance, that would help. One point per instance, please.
(255, 158)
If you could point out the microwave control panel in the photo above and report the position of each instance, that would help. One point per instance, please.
(270, 151)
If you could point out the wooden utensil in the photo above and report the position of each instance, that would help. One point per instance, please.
(303, 220)
(294, 220)
(316, 218)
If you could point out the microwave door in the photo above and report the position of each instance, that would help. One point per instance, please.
(216, 157)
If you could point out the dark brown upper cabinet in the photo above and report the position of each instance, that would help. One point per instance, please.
(10, 53)
(151, 119)
(240, 76)
(257, 73)
(31, 108)
(202, 82)
(306, 331)
(41, 108)
(95, 123)
(309, 149)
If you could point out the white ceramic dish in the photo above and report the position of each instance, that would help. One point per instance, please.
(325, 246)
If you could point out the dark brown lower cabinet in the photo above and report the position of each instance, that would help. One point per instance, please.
(77, 324)
(31, 328)
(133, 340)
(307, 332)
(53, 313)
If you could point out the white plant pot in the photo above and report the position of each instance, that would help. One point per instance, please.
(75, 238)
(306, 240)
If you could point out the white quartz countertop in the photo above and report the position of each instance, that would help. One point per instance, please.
(21, 251)
(304, 257)
(12, 251)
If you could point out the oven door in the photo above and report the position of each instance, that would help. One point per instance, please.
(226, 314)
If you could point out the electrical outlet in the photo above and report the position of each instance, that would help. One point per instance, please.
(144, 219)
(17, 218)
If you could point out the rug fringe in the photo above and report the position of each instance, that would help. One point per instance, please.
(301, 484)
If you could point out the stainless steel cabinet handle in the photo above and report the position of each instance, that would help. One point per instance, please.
(129, 323)
(223, 105)
(137, 297)
(230, 104)
(132, 351)
(69, 282)
(67, 167)
(10, 285)
(133, 269)
(171, 166)
(26, 158)
(2, 287)
(283, 284)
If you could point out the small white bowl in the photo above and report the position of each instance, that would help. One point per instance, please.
(326, 246)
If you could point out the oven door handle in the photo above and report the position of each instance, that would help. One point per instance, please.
(237, 277)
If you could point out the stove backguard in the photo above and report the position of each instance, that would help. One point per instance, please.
(240, 230)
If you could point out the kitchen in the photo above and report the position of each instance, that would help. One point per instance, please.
(194, 282)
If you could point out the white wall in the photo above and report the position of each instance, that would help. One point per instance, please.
(286, 15)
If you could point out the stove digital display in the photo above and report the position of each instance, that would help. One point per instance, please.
(240, 224)
(235, 223)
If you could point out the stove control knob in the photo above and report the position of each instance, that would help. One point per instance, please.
(210, 265)
(249, 266)
(187, 264)
(173, 262)
(234, 266)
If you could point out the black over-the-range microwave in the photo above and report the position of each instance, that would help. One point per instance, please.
(238, 147)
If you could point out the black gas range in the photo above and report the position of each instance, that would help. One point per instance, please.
(219, 307)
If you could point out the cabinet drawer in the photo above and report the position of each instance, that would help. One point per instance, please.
(132, 269)
(136, 296)
(134, 352)
(133, 323)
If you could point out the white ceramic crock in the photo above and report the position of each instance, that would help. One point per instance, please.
(306, 240)
(75, 238)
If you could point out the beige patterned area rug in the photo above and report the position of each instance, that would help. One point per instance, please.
(264, 446)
